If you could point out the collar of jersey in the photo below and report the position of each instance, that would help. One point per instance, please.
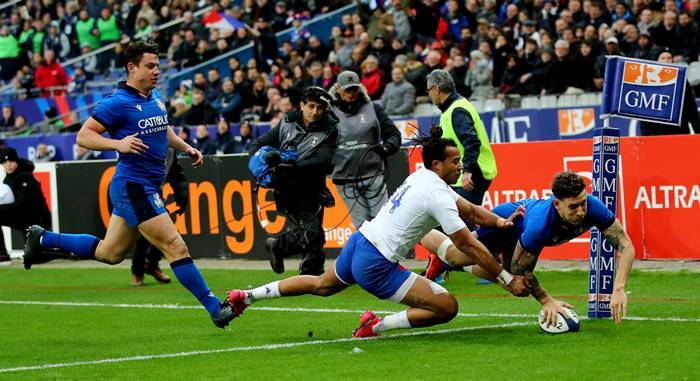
(132, 90)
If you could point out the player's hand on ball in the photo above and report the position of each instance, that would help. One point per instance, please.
(618, 305)
(131, 144)
(196, 156)
(519, 286)
(552, 308)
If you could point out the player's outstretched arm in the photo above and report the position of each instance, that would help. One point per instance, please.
(524, 263)
(484, 217)
(469, 245)
(618, 238)
(178, 144)
(90, 137)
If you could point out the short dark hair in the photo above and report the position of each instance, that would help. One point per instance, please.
(134, 52)
(318, 95)
(567, 184)
(433, 146)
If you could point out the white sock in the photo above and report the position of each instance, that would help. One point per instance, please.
(396, 321)
(268, 291)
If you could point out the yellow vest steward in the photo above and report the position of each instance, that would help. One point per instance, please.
(486, 160)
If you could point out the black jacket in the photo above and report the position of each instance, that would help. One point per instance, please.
(29, 206)
(306, 178)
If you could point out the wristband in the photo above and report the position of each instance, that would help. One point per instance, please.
(505, 277)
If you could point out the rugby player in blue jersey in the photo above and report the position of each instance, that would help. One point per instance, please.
(136, 120)
(569, 213)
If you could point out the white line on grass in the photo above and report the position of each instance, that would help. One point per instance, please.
(266, 347)
(318, 310)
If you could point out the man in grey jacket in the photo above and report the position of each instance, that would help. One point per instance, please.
(399, 96)
(366, 137)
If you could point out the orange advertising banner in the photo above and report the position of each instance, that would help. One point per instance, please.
(659, 189)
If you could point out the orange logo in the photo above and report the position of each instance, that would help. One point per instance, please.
(576, 121)
(649, 74)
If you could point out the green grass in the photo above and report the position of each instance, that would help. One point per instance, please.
(41, 334)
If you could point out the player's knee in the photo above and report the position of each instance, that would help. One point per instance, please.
(177, 247)
(324, 287)
(447, 309)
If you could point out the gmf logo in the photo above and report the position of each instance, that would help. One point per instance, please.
(576, 121)
(649, 74)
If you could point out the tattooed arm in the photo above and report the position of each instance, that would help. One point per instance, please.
(618, 238)
(523, 263)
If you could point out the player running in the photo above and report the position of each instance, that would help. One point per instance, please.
(569, 213)
(137, 121)
(372, 254)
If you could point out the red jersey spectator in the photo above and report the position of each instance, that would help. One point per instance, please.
(50, 74)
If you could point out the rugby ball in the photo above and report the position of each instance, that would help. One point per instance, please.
(570, 324)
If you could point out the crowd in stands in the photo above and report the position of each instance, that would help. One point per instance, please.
(492, 48)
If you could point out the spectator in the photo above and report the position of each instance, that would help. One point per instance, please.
(204, 143)
(184, 133)
(109, 33)
(245, 139)
(646, 21)
(9, 51)
(201, 111)
(372, 78)
(78, 82)
(28, 206)
(316, 75)
(647, 50)
(214, 86)
(44, 154)
(479, 77)
(401, 20)
(86, 30)
(559, 78)
(399, 96)
(50, 76)
(224, 139)
(20, 123)
(667, 34)
(56, 41)
(228, 102)
(510, 81)
(629, 44)
(8, 117)
(328, 78)
(89, 65)
(689, 42)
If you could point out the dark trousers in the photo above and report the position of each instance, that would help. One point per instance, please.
(145, 258)
(304, 236)
(476, 195)
(9, 218)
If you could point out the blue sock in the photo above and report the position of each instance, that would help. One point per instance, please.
(189, 276)
(82, 245)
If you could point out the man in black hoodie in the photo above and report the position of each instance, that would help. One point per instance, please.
(28, 206)
(300, 187)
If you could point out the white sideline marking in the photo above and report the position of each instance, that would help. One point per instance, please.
(266, 347)
(319, 310)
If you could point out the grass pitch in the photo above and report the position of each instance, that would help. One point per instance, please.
(89, 324)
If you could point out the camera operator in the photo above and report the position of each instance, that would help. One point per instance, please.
(306, 138)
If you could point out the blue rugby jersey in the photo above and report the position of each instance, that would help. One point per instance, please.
(126, 112)
(542, 226)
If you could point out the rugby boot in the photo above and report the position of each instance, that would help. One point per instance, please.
(368, 320)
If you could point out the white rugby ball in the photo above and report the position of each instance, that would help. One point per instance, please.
(570, 324)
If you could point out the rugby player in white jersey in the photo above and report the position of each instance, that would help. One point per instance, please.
(372, 255)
